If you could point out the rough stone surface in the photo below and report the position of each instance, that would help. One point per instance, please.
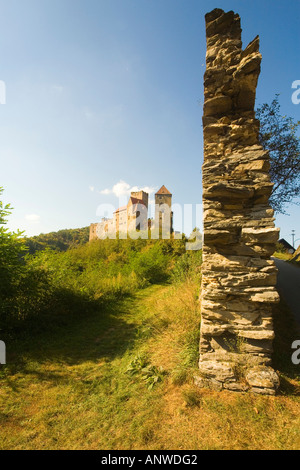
(238, 276)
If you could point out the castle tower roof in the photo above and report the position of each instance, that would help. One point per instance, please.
(135, 200)
(164, 190)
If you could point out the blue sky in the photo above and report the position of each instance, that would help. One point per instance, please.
(106, 95)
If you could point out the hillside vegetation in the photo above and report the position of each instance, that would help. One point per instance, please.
(53, 283)
(58, 241)
(120, 376)
(102, 347)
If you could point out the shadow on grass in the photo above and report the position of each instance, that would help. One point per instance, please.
(73, 331)
(286, 332)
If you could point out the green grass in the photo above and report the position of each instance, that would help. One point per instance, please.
(283, 256)
(121, 378)
(293, 259)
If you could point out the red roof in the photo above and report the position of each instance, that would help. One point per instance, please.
(135, 200)
(164, 190)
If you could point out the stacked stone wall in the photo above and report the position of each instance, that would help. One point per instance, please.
(238, 274)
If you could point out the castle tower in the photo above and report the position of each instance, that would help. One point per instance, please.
(137, 211)
(142, 196)
(163, 211)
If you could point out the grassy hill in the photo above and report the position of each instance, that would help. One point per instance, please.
(102, 346)
(52, 282)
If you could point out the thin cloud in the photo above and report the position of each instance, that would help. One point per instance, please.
(57, 88)
(88, 113)
(124, 189)
(34, 218)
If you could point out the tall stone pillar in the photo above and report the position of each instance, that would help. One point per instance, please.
(238, 276)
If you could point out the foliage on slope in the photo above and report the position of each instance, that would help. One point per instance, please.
(58, 241)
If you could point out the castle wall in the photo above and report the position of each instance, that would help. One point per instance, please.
(137, 216)
(238, 276)
(93, 232)
(120, 218)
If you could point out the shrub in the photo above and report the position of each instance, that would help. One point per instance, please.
(151, 265)
(187, 266)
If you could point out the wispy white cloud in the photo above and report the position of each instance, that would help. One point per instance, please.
(33, 218)
(106, 191)
(124, 189)
(57, 89)
(119, 189)
(88, 113)
(106, 118)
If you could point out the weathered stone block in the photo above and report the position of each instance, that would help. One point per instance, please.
(260, 235)
(217, 105)
(228, 191)
(263, 380)
(221, 371)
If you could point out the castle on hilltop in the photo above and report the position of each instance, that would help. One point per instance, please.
(134, 216)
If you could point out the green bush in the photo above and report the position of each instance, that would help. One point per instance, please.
(150, 265)
(12, 266)
(187, 266)
(55, 282)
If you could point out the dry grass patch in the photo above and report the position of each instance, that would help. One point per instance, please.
(66, 397)
(176, 326)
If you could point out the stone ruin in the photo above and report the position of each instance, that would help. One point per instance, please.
(238, 276)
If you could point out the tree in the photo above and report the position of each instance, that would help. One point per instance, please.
(12, 250)
(278, 134)
(59, 241)
(4, 210)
